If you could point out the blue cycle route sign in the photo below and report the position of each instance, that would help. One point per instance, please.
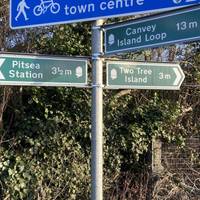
(29, 13)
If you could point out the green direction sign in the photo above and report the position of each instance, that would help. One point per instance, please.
(169, 28)
(42, 71)
(163, 76)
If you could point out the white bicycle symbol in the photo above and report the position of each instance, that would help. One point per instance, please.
(44, 5)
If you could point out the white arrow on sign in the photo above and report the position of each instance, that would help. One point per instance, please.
(178, 76)
(2, 60)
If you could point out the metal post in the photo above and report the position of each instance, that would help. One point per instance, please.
(97, 112)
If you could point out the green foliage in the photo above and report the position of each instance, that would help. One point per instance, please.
(49, 167)
(44, 157)
(66, 39)
(130, 126)
(47, 152)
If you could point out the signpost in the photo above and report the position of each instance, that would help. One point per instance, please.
(168, 28)
(164, 76)
(58, 71)
(97, 112)
(28, 13)
(42, 71)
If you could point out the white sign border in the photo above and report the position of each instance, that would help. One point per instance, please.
(144, 87)
(43, 57)
(90, 19)
(146, 19)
